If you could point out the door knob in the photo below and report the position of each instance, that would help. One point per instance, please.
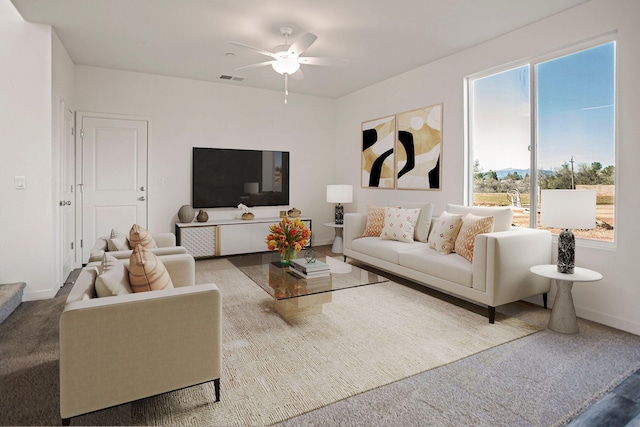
(143, 188)
(142, 198)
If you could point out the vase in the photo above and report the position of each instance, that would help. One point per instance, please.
(286, 256)
(203, 216)
(186, 213)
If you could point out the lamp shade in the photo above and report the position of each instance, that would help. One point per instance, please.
(568, 209)
(339, 193)
(285, 65)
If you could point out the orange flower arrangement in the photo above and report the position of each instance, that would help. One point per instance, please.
(288, 237)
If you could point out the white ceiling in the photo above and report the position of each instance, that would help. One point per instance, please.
(187, 38)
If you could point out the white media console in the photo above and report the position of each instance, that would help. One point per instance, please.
(226, 237)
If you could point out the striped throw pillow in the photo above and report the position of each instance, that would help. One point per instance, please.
(139, 236)
(147, 272)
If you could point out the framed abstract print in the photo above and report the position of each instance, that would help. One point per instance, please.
(418, 153)
(378, 141)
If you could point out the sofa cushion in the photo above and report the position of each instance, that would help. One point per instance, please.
(423, 224)
(113, 277)
(452, 267)
(147, 272)
(399, 224)
(444, 232)
(375, 221)
(117, 241)
(472, 225)
(502, 215)
(387, 250)
(139, 236)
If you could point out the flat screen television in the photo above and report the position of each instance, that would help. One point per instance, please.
(225, 177)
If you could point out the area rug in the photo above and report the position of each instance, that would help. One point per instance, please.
(366, 337)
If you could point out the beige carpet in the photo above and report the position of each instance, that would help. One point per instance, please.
(367, 337)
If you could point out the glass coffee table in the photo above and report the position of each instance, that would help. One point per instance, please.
(295, 296)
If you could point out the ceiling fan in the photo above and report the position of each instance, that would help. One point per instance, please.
(286, 57)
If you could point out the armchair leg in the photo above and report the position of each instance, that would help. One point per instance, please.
(65, 421)
(544, 299)
(492, 314)
(216, 384)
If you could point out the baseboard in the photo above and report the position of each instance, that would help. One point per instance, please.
(30, 295)
(608, 320)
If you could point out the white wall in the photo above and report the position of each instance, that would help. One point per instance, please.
(187, 113)
(26, 224)
(612, 301)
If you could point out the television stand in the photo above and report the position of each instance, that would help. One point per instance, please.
(226, 237)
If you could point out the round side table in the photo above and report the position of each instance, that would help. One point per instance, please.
(337, 241)
(563, 314)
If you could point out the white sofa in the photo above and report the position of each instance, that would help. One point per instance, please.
(166, 246)
(122, 348)
(499, 273)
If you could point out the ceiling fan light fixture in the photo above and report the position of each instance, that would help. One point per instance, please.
(285, 66)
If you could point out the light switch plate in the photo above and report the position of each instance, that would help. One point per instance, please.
(20, 183)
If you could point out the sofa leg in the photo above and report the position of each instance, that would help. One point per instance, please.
(544, 300)
(216, 384)
(65, 421)
(492, 314)
(344, 258)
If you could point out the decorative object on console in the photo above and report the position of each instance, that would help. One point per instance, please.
(378, 141)
(567, 209)
(203, 216)
(419, 149)
(288, 237)
(310, 256)
(294, 213)
(246, 212)
(186, 214)
(339, 194)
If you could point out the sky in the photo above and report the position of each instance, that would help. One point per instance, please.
(575, 96)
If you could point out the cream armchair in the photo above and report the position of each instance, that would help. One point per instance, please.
(166, 246)
(123, 348)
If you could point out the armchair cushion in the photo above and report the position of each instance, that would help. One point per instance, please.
(147, 272)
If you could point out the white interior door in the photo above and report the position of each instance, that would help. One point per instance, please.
(67, 200)
(114, 177)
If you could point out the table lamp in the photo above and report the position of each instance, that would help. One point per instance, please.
(339, 194)
(567, 209)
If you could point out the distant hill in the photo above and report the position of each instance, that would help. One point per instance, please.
(522, 172)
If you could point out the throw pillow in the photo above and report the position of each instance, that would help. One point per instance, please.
(139, 236)
(399, 224)
(423, 223)
(117, 241)
(375, 221)
(113, 278)
(444, 232)
(147, 272)
(472, 225)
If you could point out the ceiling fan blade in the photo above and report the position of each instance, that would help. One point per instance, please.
(334, 62)
(260, 64)
(257, 49)
(302, 44)
(297, 75)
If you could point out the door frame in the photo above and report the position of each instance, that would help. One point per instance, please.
(80, 116)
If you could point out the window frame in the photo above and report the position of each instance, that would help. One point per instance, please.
(531, 63)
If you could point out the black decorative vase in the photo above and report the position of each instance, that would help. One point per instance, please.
(566, 252)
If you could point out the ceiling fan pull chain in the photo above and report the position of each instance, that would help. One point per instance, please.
(286, 87)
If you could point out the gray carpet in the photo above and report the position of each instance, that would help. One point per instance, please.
(539, 380)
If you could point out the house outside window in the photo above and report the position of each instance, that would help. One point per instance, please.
(555, 116)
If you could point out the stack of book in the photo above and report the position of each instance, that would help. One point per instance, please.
(309, 270)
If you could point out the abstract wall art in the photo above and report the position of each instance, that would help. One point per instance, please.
(418, 153)
(378, 141)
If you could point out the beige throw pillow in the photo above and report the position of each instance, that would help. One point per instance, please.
(117, 241)
(139, 236)
(472, 225)
(147, 272)
(444, 232)
(399, 224)
(113, 278)
(375, 221)
(421, 233)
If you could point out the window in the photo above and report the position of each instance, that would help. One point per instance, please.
(569, 140)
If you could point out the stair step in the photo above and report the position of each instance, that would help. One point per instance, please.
(10, 298)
